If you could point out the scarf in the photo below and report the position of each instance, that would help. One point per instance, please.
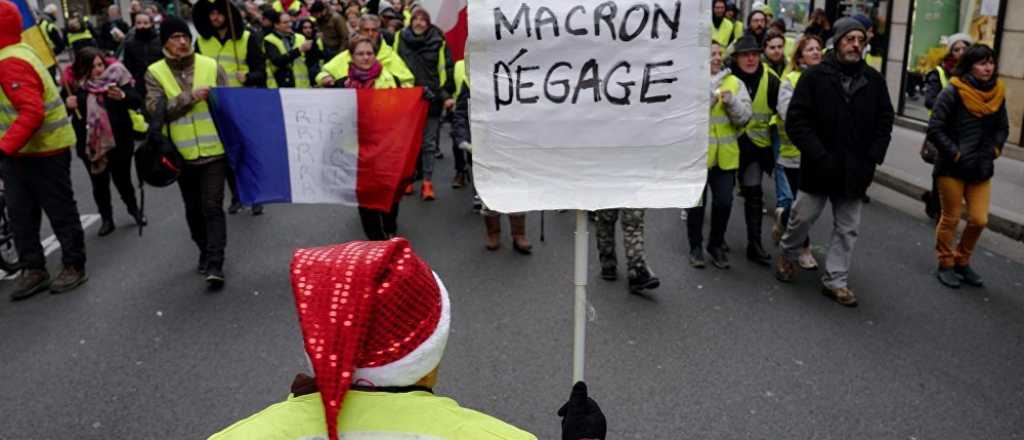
(978, 102)
(363, 79)
(99, 132)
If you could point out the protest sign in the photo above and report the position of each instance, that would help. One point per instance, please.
(589, 104)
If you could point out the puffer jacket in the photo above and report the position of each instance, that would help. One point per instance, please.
(978, 141)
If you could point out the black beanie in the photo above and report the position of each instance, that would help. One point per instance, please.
(172, 25)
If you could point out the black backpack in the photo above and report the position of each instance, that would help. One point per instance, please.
(157, 161)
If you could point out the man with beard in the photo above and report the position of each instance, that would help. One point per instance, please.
(722, 28)
(840, 118)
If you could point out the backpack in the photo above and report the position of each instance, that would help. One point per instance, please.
(157, 161)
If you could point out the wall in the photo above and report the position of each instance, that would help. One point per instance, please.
(1011, 66)
(897, 45)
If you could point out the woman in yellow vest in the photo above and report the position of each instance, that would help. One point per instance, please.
(103, 94)
(183, 80)
(808, 54)
(730, 112)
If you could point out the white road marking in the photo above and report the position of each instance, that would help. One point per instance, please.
(51, 244)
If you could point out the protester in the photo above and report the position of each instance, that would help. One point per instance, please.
(334, 30)
(240, 53)
(112, 32)
(315, 57)
(374, 373)
(35, 143)
(79, 33)
(292, 7)
(423, 49)
(369, 27)
(779, 25)
(774, 52)
(141, 50)
(722, 27)
(155, 11)
(840, 118)
(807, 55)
(935, 82)
(757, 25)
(639, 275)
(461, 138)
(193, 132)
(103, 93)
(969, 127)
(756, 158)
(286, 55)
(48, 24)
(134, 9)
(732, 12)
(819, 26)
(730, 112)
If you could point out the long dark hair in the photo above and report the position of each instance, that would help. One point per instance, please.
(84, 58)
(973, 55)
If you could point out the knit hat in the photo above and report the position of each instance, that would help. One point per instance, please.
(371, 313)
(956, 38)
(172, 25)
(844, 26)
(864, 21)
(10, 24)
(746, 43)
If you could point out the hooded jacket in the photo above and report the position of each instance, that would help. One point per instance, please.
(840, 118)
(254, 56)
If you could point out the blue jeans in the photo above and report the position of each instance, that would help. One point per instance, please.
(783, 193)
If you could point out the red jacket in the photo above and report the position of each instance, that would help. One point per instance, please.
(22, 86)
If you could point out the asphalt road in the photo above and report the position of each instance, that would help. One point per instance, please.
(144, 352)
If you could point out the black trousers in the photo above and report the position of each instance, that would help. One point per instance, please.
(378, 225)
(202, 190)
(43, 184)
(119, 169)
(721, 183)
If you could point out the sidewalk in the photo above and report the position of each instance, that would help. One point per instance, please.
(905, 172)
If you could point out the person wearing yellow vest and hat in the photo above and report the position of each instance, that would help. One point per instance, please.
(935, 82)
(48, 23)
(756, 155)
(730, 113)
(223, 36)
(79, 33)
(35, 160)
(286, 55)
(375, 356)
(722, 29)
(369, 27)
(183, 80)
(808, 54)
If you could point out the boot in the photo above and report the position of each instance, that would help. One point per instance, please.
(718, 256)
(427, 191)
(69, 278)
(409, 189)
(30, 282)
(968, 276)
(948, 277)
(106, 228)
(519, 241)
(493, 224)
(752, 210)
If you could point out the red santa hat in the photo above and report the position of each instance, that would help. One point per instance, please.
(372, 314)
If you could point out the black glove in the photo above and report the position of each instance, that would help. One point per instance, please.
(581, 417)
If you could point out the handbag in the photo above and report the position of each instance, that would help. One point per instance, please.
(158, 162)
(928, 152)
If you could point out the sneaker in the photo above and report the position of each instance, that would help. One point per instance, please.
(948, 277)
(257, 210)
(409, 190)
(459, 181)
(214, 278)
(807, 261)
(609, 273)
(719, 258)
(30, 282)
(427, 191)
(697, 258)
(644, 280)
(778, 228)
(68, 279)
(842, 295)
(234, 207)
(968, 276)
(785, 270)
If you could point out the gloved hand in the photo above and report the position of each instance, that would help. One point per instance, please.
(582, 419)
(428, 95)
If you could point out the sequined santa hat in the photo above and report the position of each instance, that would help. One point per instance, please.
(371, 313)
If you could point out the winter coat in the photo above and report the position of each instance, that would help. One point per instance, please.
(460, 119)
(842, 133)
(421, 53)
(106, 38)
(117, 112)
(334, 33)
(139, 53)
(952, 130)
(932, 87)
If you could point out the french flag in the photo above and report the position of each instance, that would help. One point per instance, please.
(323, 146)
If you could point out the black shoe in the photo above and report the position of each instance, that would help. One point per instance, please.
(106, 228)
(68, 279)
(948, 277)
(718, 257)
(697, 258)
(203, 263)
(968, 276)
(644, 280)
(30, 282)
(214, 278)
(609, 273)
(257, 210)
(757, 254)
(234, 208)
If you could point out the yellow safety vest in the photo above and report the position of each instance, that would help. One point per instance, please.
(943, 79)
(56, 132)
(365, 415)
(442, 63)
(461, 80)
(737, 29)
(225, 55)
(723, 33)
(75, 37)
(299, 69)
(758, 129)
(47, 27)
(337, 67)
(787, 149)
(407, 20)
(293, 9)
(789, 48)
(723, 150)
(194, 134)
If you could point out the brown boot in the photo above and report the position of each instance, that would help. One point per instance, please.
(30, 282)
(68, 279)
(519, 241)
(493, 223)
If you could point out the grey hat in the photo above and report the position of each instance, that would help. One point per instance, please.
(746, 43)
(844, 26)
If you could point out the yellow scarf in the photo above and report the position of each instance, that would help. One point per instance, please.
(980, 103)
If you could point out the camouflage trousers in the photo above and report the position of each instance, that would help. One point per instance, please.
(632, 238)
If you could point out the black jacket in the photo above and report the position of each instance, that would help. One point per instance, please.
(421, 54)
(952, 129)
(117, 111)
(842, 134)
(139, 52)
(932, 87)
(106, 39)
(255, 58)
(460, 118)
